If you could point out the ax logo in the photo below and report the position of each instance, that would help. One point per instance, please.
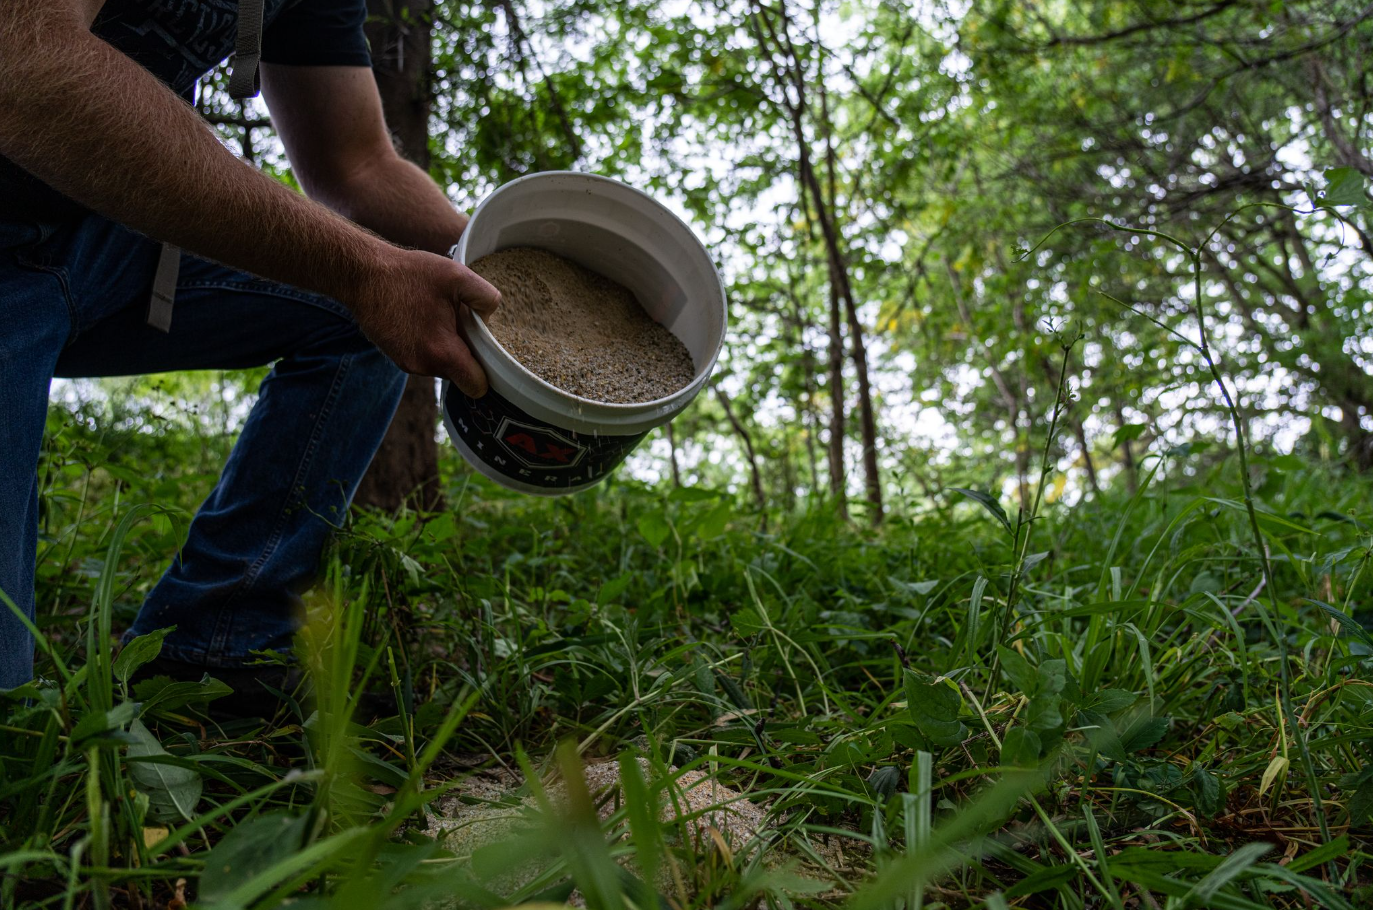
(538, 447)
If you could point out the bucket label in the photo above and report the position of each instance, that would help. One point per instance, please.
(506, 440)
(542, 448)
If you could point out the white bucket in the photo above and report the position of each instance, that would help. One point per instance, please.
(529, 435)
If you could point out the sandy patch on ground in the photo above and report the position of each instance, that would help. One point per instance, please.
(490, 808)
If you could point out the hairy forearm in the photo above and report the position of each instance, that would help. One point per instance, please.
(99, 128)
(400, 202)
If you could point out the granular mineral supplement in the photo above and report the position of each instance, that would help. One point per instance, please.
(580, 331)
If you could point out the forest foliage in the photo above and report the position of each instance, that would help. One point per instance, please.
(1017, 557)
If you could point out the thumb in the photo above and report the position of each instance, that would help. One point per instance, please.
(472, 290)
(456, 364)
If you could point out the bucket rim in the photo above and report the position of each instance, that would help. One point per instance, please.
(621, 408)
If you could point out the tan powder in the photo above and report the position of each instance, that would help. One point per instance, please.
(580, 331)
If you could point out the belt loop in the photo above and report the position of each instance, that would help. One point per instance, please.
(164, 288)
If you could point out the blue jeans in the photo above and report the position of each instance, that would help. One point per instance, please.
(73, 303)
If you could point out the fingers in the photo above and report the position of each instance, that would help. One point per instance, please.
(450, 359)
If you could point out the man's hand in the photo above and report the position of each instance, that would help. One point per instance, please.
(409, 306)
(330, 120)
(101, 129)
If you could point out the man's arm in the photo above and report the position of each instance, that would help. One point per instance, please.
(330, 120)
(96, 126)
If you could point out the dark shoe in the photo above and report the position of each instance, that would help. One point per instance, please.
(258, 691)
(262, 691)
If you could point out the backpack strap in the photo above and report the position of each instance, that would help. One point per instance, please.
(164, 288)
(243, 81)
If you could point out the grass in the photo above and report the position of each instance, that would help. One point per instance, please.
(939, 714)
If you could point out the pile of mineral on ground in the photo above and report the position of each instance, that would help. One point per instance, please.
(494, 807)
(580, 331)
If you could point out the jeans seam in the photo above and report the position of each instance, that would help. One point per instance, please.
(223, 624)
(270, 289)
(60, 274)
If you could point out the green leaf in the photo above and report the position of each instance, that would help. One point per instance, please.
(1233, 865)
(139, 652)
(988, 502)
(734, 691)
(747, 622)
(1042, 880)
(1322, 854)
(1343, 186)
(1046, 683)
(934, 707)
(173, 791)
(610, 591)
(249, 848)
(1053, 675)
(1109, 701)
(104, 727)
(646, 832)
(654, 527)
(1361, 803)
(442, 528)
(883, 782)
(161, 694)
(1018, 670)
(1020, 747)
(1203, 583)
(1208, 792)
(1349, 627)
(692, 494)
(1128, 432)
(716, 520)
(1141, 733)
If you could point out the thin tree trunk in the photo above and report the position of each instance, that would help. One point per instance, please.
(756, 479)
(790, 75)
(809, 428)
(838, 480)
(672, 455)
(788, 476)
(1127, 454)
(808, 417)
(1088, 464)
(1022, 449)
(867, 419)
(406, 467)
(1009, 398)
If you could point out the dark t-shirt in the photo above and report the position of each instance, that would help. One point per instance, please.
(178, 41)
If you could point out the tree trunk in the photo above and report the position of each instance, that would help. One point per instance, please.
(867, 420)
(755, 478)
(809, 421)
(867, 417)
(1088, 464)
(672, 454)
(838, 481)
(788, 476)
(1127, 454)
(790, 76)
(406, 467)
